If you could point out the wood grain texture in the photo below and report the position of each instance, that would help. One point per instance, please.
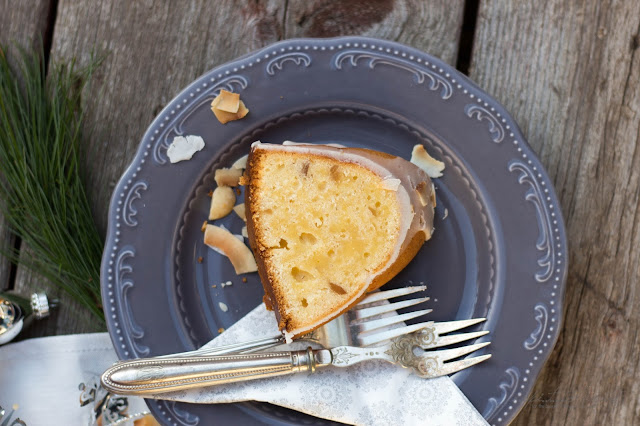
(433, 27)
(569, 72)
(23, 24)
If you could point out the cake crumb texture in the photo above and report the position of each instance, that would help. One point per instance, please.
(322, 227)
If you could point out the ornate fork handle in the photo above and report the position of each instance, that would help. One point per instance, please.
(156, 376)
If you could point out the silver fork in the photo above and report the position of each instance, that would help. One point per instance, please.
(362, 326)
(348, 329)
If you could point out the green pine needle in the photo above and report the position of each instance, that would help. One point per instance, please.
(42, 194)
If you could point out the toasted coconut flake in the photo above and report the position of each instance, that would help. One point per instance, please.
(228, 177)
(242, 111)
(222, 202)
(227, 107)
(228, 101)
(240, 163)
(240, 211)
(182, 148)
(424, 195)
(421, 158)
(238, 253)
(224, 117)
(391, 184)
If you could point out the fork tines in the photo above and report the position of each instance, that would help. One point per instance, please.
(370, 318)
(390, 294)
(364, 313)
(443, 355)
(370, 333)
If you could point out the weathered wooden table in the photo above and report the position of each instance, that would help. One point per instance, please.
(568, 71)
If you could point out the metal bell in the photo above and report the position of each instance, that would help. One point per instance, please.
(13, 318)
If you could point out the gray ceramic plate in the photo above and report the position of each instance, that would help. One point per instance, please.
(498, 251)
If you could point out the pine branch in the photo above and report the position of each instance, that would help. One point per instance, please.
(42, 195)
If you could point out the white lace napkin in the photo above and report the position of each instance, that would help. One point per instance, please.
(56, 381)
(370, 393)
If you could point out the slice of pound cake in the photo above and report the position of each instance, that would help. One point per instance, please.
(328, 224)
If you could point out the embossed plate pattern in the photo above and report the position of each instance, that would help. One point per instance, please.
(498, 251)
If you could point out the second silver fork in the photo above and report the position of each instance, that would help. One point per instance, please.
(350, 328)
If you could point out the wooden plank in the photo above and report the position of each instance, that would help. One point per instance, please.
(570, 74)
(23, 24)
(433, 27)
